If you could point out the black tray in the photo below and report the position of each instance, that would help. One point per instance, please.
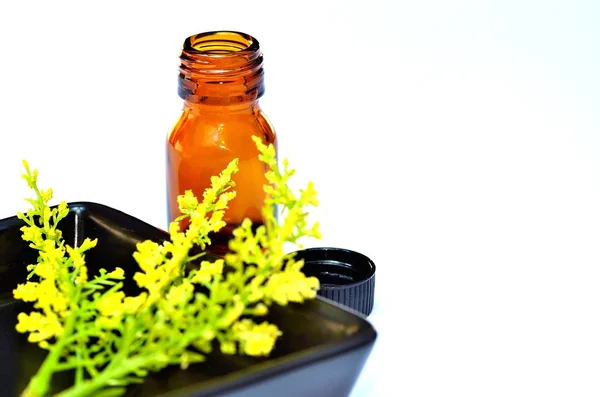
(321, 353)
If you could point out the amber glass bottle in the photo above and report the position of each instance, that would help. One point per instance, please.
(221, 79)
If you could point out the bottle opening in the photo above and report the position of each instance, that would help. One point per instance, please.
(221, 43)
(221, 68)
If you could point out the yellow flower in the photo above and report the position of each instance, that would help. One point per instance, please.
(78, 264)
(179, 293)
(209, 195)
(51, 254)
(63, 209)
(47, 195)
(173, 229)
(260, 310)
(132, 304)
(155, 274)
(81, 276)
(216, 221)
(111, 304)
(108, 322)
(291, 286)
(118, 273)
(231, 315)
(33, 234)
(45, 270)
(88, 244)
(228, 347)
(208, 334)
(60, 304)
(185, 360)
(51, 298)
(26, 292)
(41, 327)
(148, 255)
(256, 293)
(187, 202)
(46, 215)
(256, 340)
(207, 271)
(224, 199)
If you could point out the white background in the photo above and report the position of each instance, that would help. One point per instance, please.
(456, 143)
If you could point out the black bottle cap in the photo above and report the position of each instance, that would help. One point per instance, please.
(347, 277)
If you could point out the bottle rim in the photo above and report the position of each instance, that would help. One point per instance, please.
(221, 43)
(221, 67)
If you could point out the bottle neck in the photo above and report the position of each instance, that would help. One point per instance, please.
(233, 109)
(221, 68)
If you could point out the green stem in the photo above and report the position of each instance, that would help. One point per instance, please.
(81, 335)
(120, 365)
(79, 368)
(40, 200)
(40, 383)
(88, 363)
(90, 387)
(193, 258)
(124, 348)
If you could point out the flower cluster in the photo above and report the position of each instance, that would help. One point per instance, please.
(60, 268)
(90, 325)
(279, 278)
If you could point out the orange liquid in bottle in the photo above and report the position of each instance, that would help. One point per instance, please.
(221, 79)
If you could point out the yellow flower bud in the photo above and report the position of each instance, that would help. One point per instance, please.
(261, 309)
(118, 273)
(111, 304)
(26, 292)
(131, 304)
(256, 340)
(228, 347)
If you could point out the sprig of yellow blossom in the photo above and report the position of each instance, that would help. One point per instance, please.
(111, 339)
